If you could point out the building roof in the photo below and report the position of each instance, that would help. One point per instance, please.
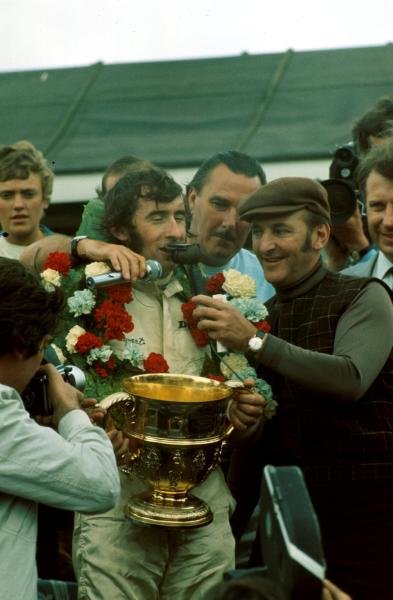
(276, 107)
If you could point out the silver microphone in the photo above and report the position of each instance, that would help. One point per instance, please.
(153, 271)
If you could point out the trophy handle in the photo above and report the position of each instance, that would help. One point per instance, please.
(228, 431)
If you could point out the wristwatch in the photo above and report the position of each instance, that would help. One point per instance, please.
(356, 255)
(74, 246)
(256, 342)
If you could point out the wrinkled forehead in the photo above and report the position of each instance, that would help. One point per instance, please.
(224, 183)
(148, 205)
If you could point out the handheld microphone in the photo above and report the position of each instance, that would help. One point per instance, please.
(153, 271)
(185, 254)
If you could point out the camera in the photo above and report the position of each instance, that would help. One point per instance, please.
(344, 163)
(35, 395)
(343, 196)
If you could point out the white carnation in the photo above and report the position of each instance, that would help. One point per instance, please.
(72, 337)
(96, 268)
(50, 279)
(238, 285)
(233, 363)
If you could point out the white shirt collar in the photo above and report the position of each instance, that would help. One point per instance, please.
(381, 268)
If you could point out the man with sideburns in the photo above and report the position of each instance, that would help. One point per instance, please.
(115, 557)
(329, 361)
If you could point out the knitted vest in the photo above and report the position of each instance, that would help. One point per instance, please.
(327, 438)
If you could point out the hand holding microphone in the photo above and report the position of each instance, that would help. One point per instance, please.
(153, 271)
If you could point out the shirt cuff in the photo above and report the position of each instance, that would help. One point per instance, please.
(71, 420)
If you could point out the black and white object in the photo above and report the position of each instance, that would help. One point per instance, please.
(74, 246)
(219, 346)
(153, 271)
(256, 342)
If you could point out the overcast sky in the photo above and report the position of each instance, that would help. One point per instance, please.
(37, 34)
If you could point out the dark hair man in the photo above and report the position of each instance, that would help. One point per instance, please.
(213, 196)
(329, 361)
(145, 211)
(92, 213)
(375, 177)
(374, 125)
(26, 183)
(74, 469)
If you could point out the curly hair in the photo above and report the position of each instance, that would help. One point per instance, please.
(27, 311)
(122, 201)
(19, 160)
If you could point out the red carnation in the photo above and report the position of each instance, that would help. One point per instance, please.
(155, 363)
(120, 293)
(101, 371)
(86, 342)
(187, 310)
(263, 326)
(214, 284)
(110, 363)
(114, 319)
(201, 338)
(58, 261)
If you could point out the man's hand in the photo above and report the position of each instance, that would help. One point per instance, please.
(63, 396)
(223, 322)
(246, 406)
(332, 592)
(345, 238)
(131, 265)
(120, 445)
(95, 412)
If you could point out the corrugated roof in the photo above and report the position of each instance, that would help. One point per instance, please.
(287, 106)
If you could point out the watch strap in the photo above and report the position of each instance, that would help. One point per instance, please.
(74, 247)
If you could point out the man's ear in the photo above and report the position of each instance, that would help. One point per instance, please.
(321, 236)
(120, 233)
(191, 197)
(18, 355)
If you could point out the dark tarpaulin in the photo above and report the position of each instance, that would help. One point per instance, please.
(276, 107)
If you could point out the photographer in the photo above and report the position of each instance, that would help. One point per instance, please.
(73, 468)
(349, 241)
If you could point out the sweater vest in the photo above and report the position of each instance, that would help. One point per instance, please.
(328, 439)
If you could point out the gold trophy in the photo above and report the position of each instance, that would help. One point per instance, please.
(176, 425)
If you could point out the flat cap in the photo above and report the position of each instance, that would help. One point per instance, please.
(286, 195)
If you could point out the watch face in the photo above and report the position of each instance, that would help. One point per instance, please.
(255, 344)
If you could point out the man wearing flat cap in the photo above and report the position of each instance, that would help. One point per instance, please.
(328, 358)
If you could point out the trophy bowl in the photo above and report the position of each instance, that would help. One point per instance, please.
(176, 425)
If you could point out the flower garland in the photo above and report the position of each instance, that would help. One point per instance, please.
(240, 292)
(101, 322)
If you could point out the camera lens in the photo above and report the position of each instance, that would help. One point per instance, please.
(342, 200)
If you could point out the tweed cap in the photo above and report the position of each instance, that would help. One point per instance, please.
(286, 195)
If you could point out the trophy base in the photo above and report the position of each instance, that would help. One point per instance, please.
(166, 512)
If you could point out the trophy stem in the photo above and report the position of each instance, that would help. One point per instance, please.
(155, 508)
